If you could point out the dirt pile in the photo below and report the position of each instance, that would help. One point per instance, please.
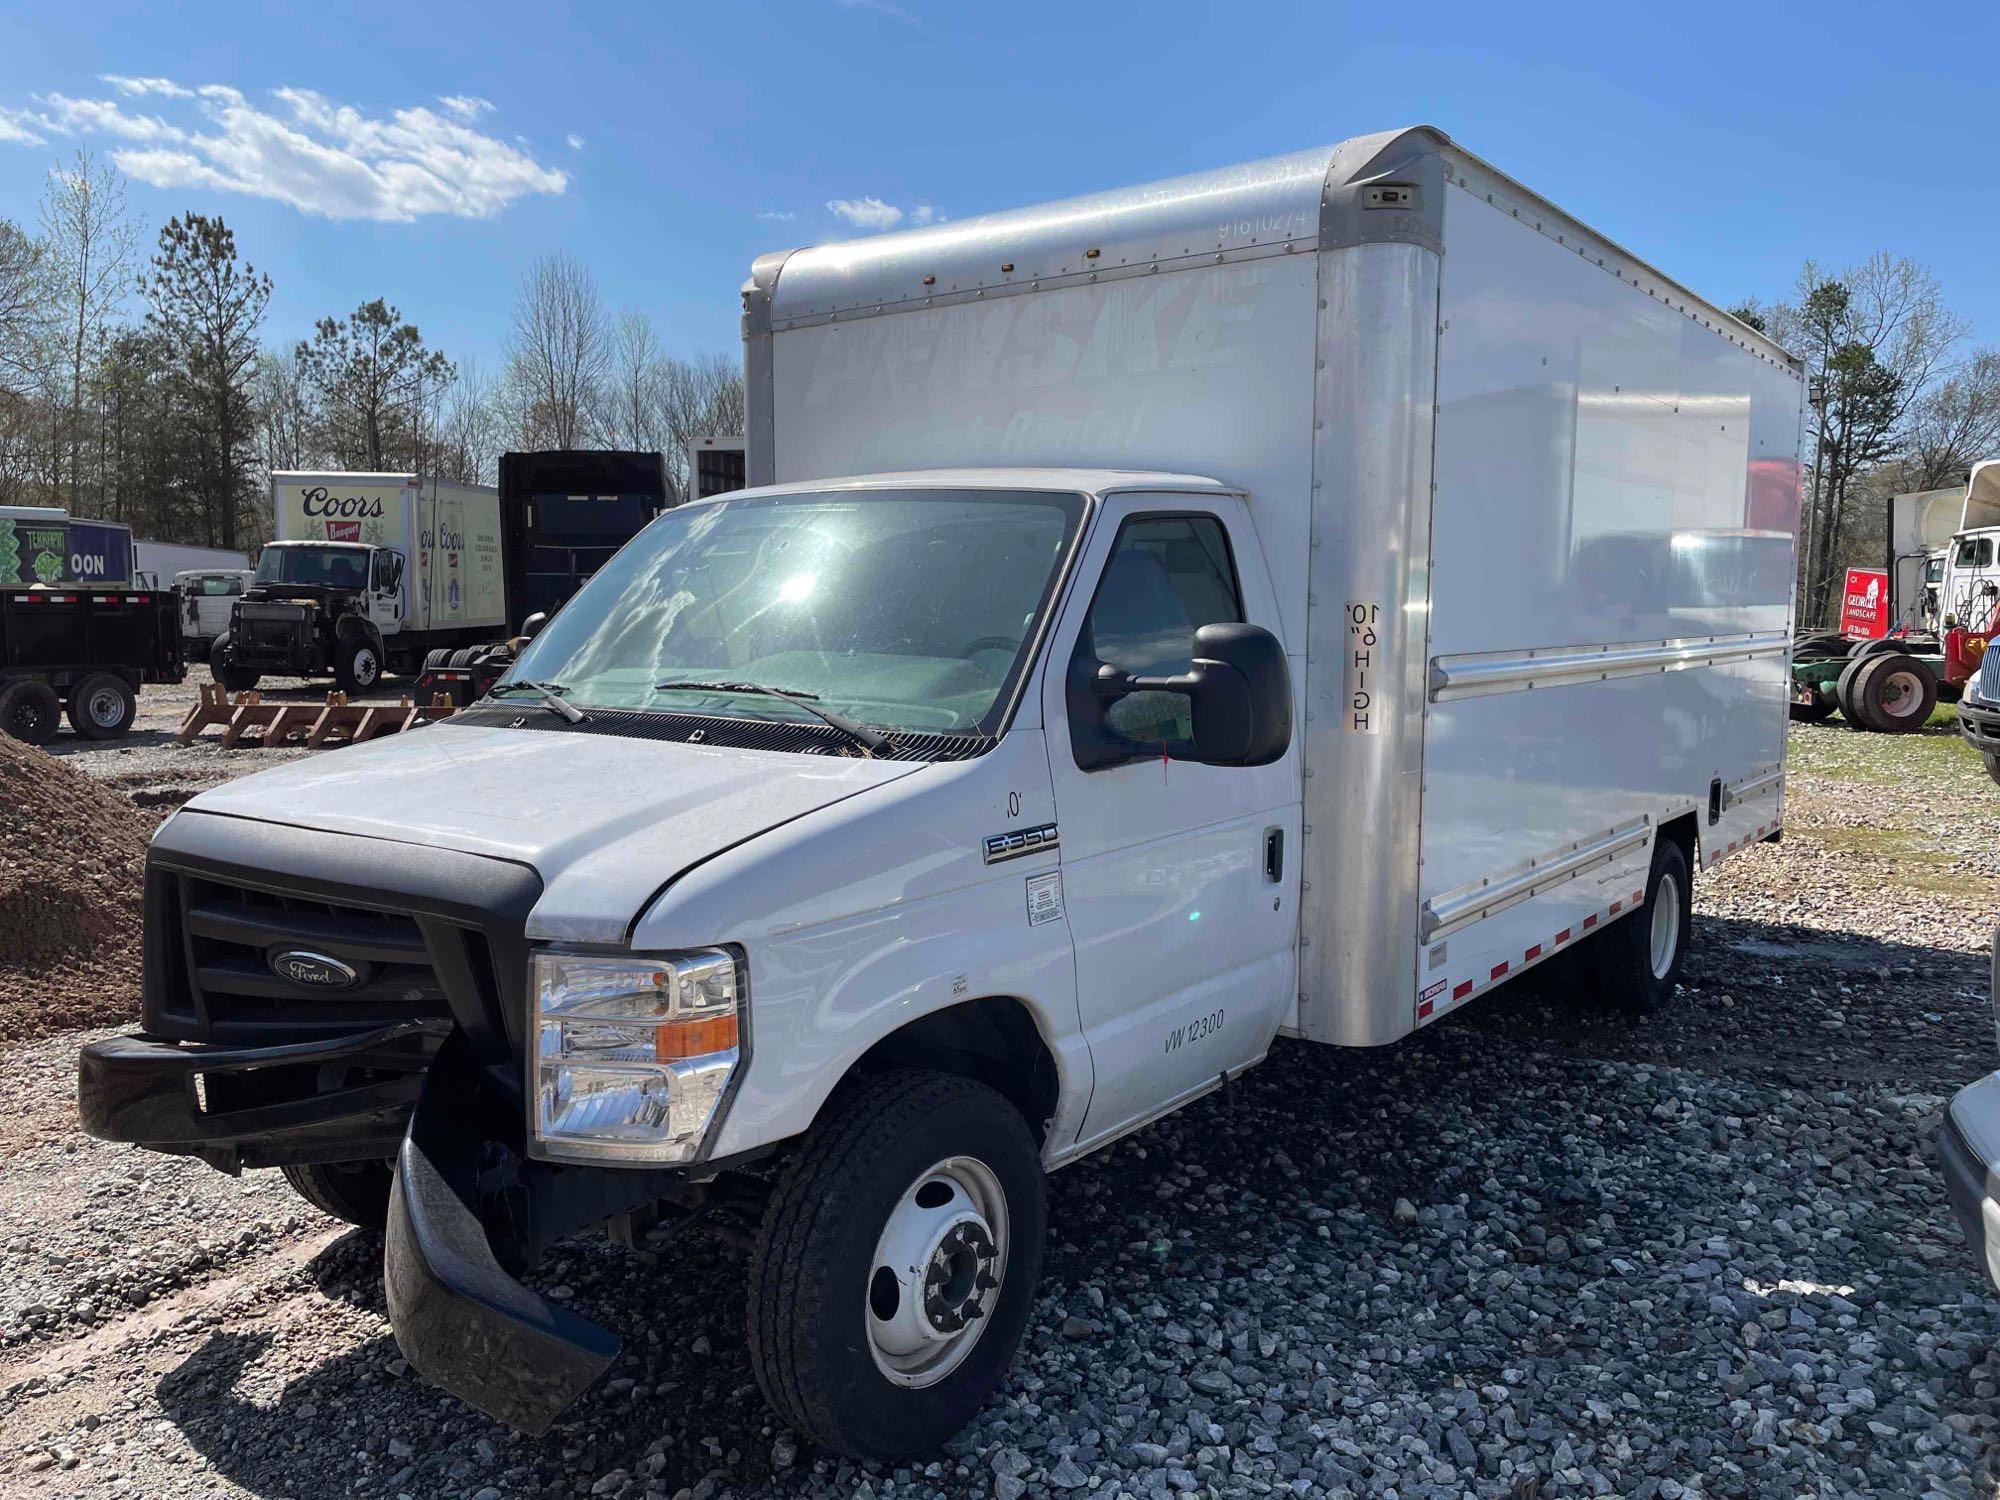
(72, 863)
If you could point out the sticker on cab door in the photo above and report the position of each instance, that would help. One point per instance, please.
(1045, 898)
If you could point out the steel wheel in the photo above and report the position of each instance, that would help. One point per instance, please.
(938, 1267)
(1665, 940)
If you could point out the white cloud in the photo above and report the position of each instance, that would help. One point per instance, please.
(316, 154)
(66, 116)
(775, 217)
(15, 130)
(165, 87)
(872, 214)
(575, 141)
(866, 213)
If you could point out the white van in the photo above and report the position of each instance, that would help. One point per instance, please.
(1281, 603)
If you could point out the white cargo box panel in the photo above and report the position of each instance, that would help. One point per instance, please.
(1529, 507)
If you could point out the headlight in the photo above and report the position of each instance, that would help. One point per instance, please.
(631, 1054)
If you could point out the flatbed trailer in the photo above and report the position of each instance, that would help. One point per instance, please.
(85, 651)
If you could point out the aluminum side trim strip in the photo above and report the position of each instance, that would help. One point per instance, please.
(1452, 910)
(1477, 674)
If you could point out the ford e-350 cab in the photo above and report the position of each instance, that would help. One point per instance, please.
(1252, 621)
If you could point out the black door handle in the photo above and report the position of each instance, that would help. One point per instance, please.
(1274, 854)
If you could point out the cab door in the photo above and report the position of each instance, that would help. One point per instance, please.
(385, 590)
(1178, 878)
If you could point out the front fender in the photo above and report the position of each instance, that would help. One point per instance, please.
(821, 997)
(347, 625)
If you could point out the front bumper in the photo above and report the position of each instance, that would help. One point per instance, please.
(238, 1107)
(1979, 726)
(458, 1315)
(1969, 1151)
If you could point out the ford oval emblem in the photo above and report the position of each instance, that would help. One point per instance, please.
(313, 970)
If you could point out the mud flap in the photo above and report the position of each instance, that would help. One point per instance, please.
(459, 1318)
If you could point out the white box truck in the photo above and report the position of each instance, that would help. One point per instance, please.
(369, 573)
(1288, 601)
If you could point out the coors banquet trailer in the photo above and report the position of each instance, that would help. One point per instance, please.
(1287, 601)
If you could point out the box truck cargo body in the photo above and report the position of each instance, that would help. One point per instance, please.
(1292, 600)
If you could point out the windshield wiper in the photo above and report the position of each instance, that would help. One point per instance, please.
(861, 734)
(549, 693)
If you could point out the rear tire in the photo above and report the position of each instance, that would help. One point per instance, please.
(896, 1264)
(1843, 692)
(30, 712)
(357, 1191)
(1895, 693)
(357, 665)
(222, 666)
(1812, 713)
(1638, 957)
(101, 706)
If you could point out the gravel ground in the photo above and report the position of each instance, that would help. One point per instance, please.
(1539, 1248)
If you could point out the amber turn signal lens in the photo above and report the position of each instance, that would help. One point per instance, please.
(679, 1039)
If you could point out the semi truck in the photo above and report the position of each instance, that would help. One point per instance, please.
(1160, 627)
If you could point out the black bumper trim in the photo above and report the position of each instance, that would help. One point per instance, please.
(140, 1091)
(459, 1318)
(1979, 727)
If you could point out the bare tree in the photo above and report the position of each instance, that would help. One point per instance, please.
(701, 397)
(89, 248)
(1953, 425)
(285, 427)
(1878, 335)
(558, 353)
(468, 437)
(633, 410)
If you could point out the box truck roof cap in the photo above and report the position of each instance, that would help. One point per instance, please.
(1294, 204)
(1063, 481)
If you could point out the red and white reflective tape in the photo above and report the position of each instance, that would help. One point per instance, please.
(1439, 1001)
(1725, 850)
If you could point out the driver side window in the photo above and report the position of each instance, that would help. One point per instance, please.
(1167, 576)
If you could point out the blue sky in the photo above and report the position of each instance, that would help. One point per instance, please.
(668, 145)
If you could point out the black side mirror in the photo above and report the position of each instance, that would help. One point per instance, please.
(1239, 692)
(532, 626)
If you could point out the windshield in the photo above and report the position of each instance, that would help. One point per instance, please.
(901, 609)
(320, 567)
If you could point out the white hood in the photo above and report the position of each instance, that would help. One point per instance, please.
(605, 821)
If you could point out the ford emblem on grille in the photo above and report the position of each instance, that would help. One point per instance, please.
(314, 970)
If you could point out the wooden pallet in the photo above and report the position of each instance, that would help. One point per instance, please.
(249, 721)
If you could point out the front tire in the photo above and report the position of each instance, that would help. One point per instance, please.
(896, 1264)
(357, 665)
(357, 1191)
(222, 666)
(1639, 957)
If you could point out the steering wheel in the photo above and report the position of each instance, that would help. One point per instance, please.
(991, 643)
